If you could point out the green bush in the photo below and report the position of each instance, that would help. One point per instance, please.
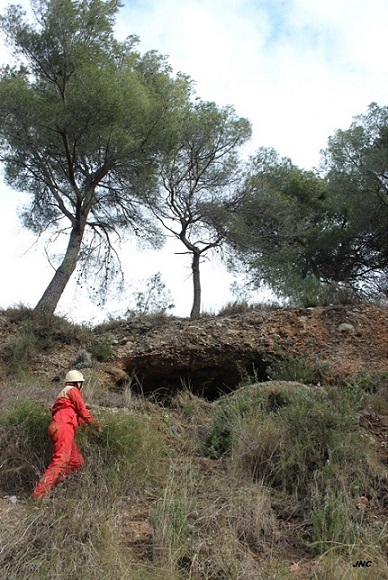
(372, 387)
(25, 448)
(230, 410)
(34, 334)
(304, 444)
(125, 457)
(50, 328)
(102, 349)
(284, 435)
(20, 351)
(291, 368)
(236, 307)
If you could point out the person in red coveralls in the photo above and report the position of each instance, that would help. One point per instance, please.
(68, 412)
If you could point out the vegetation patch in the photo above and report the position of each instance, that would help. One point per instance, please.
(34, 334)
(305, 445)
(219, 489)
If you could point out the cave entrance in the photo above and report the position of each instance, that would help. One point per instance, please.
(203, 380)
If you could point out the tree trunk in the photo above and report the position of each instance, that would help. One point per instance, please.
(196, 309)
(51, 296)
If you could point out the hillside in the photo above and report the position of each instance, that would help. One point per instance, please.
(157, 354)
(174, 375)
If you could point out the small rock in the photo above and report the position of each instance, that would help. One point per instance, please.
(345, 327)
(362, 503)
(119, 376)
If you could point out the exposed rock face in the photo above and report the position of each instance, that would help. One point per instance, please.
(211, 355)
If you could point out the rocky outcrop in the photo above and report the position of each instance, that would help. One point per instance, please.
(212, 355)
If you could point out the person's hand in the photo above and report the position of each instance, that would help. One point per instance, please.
(97, 426)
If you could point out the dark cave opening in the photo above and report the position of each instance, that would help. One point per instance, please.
(209, 381)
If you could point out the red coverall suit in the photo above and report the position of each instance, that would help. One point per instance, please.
(68, 412)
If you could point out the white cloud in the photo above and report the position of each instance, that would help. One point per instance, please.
(297, 69)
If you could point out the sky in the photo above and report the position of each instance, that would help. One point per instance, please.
(297, 69)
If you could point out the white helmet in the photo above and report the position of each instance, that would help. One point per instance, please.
(74, 377)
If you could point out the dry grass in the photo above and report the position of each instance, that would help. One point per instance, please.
(269, 507)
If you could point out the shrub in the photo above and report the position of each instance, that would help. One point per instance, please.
(36, 333)
(340, 526)
(230, 410)
(20, 351)
(302, 369)
(335, 522)
(51, 327)
(284, 435)
(24, 446)
(82, 360)
(18, 313)
(126, 456)
(372, 387)
(305, 444)
(235, 307)
(195, 409)
(102, 349)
